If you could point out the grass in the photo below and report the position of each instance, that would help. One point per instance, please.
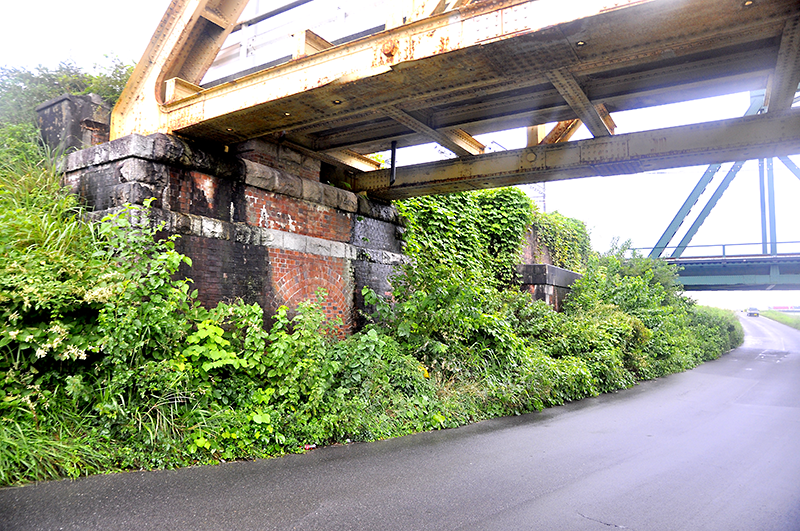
(30, 453)
(788, 320)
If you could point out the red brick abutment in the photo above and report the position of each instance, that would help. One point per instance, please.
(257, 223)
(256, 232)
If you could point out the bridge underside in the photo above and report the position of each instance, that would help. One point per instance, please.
(482, 67)
(740, 273)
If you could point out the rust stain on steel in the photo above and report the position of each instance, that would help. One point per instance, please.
(450, 72)
(389, 47)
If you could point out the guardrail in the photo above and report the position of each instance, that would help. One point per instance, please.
(759, 248)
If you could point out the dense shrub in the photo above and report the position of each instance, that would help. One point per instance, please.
(107, 362)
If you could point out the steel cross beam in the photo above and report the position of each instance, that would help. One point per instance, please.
(786, 79)
(750, 137)
(464, 67)
(791, 165)
(459, 142)
(566, 85)
(712, 202)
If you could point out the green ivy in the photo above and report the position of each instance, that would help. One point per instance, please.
(565, 238)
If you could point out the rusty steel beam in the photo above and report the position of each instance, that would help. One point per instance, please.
(180, 52)
(751, 137)
(459, 142)
(354, 160)
(566, 85)
(184, 45)
(475, 68)
(562, 131)
(786, 79)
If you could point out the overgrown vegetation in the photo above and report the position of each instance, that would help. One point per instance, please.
(108, 363)
(21, 90)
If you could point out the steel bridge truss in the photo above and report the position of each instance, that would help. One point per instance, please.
(446, 71)
(766, 195)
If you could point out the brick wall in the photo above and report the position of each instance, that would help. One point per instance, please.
(276, 211)
(297, 276)
(255, 232)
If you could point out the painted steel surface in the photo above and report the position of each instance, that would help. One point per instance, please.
(482, 67)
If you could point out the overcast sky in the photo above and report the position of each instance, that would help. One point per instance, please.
(638, 207)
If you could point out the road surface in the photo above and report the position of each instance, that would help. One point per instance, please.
(715, 448)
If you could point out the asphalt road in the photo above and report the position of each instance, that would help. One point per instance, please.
(715, 448)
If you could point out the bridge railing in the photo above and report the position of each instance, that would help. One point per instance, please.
(725, 250)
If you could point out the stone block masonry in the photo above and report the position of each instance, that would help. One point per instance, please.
(257, 226)
(547, 283)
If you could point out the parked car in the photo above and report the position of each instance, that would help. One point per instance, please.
(752, 312)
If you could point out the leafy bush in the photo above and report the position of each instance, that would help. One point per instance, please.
(565, 238)
(108, 363)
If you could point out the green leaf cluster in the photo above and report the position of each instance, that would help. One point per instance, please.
(21, 89)
(480, 232)
(107, 361)
(566, 239)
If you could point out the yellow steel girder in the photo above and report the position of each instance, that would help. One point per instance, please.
(457, 69)
(163, 94)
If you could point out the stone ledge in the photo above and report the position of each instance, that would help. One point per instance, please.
(190, 224)
(140, 152)
(157, 147)
(545, 274)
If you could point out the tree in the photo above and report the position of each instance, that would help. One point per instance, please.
(21, 90)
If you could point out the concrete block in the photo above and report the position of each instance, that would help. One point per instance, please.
(318, 246)
(68, 122)
(347, 201)
(180, 223)
(212, 228)
(260, 176)
(271, 238)
(294, 242)
(373, 209)
(330, 195)
(339, 249)
(142, 171)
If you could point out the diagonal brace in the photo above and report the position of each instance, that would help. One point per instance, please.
(566, 85)
(459, 142)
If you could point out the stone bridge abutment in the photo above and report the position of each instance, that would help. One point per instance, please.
(271, 234)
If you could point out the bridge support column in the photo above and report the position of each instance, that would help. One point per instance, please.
(271, 234)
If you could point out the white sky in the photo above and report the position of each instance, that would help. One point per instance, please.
(637, 207)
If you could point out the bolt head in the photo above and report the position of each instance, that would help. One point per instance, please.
(389, 48)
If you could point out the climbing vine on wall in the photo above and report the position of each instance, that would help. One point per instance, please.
(565, 238)
(480, 231)
(483, 231)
